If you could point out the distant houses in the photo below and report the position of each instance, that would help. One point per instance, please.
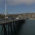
(27, 15)
(21, 16)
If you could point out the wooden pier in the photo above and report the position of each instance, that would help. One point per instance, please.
(13, 24)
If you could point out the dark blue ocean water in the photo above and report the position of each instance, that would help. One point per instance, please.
(28, 28)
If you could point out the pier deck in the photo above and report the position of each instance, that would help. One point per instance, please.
(8, 20)
(13, 24)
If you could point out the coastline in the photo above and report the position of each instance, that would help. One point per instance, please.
(32, 18)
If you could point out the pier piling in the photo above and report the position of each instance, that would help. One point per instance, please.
(13, 27)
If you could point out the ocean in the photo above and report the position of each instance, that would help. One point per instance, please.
(28, 28)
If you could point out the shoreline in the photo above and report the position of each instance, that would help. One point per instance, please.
(32, 18)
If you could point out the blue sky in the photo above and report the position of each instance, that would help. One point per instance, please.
(2, 6)
(17, 7)
(21, 9)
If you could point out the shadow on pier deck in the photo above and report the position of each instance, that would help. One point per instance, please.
(12, 27)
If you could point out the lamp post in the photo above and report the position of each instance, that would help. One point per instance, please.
(6, 13)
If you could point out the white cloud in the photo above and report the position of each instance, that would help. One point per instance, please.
(14, 2)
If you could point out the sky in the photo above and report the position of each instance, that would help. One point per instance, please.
(2, 7)
(17, 6)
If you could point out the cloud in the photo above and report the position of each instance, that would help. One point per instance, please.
(14, 2)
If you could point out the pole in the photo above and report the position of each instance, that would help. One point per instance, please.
(5, 8)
